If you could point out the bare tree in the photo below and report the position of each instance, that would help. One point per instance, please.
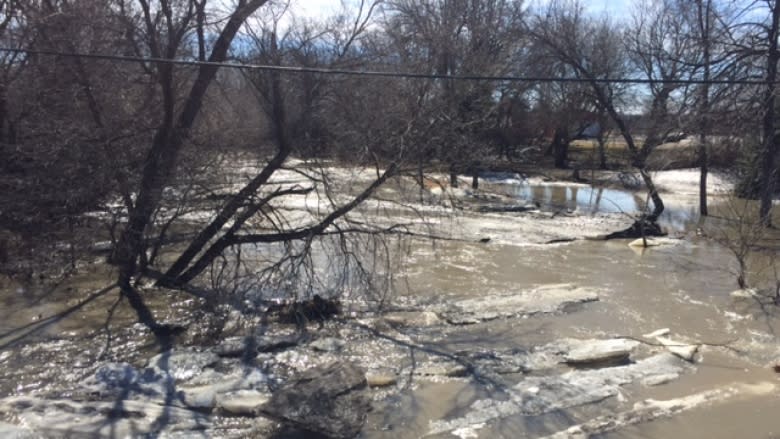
(769, 152)
(711, 24)
(705, 25)
(566, 107)
(653, 48)
(65, 120)
(751, 41)
(740, 231)
(457, 38)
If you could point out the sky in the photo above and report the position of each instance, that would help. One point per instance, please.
(319, 8)
(613, 7)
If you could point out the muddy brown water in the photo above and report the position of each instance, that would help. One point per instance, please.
(683, 287)
(54, 334)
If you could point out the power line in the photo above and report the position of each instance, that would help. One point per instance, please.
(379, 73)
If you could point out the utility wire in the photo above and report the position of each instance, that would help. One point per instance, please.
(378, 73)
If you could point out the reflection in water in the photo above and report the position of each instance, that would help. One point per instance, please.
(593, 200)
(582, 198)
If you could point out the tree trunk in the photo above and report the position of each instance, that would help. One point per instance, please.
(638, 158)
(421, 179)
(768, 176)
(602, 147)
(704, 7)
(658, 204)
(703, 170)
(602, 139)
(4, 119)
(143, 312)
(560, 148)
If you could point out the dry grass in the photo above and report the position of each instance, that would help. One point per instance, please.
(616, 143)
(671, 155)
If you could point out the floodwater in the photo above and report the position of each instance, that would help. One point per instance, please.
(55, 334)
(683, 287)
(591, 200)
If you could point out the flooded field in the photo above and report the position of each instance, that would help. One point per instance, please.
(508, 337)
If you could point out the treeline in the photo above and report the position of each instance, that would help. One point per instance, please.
(78, 134)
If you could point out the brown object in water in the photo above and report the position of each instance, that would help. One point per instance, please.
(315, 309)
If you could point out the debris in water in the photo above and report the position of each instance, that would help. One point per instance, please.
(315, 309)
